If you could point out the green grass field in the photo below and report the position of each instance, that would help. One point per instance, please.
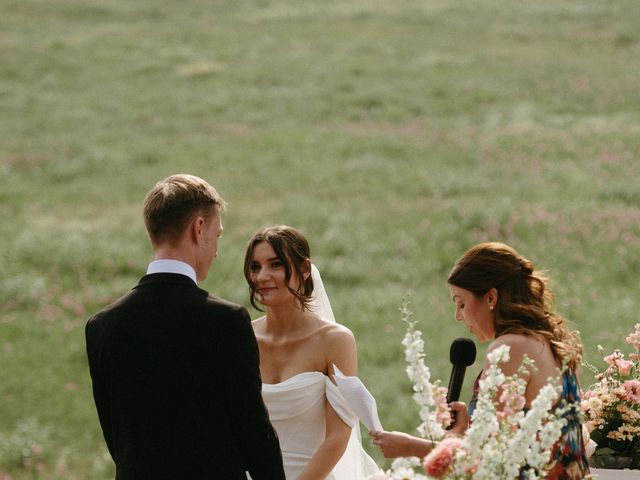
(394, 134)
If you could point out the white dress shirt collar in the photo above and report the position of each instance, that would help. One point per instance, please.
(166, 265)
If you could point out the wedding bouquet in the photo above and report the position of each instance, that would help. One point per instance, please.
(499, 442)
(612, 408)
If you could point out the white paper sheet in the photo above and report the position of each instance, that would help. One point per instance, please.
(359, 399)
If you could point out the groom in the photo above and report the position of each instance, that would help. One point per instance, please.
(175, 370)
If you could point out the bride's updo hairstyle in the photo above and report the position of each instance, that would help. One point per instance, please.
(292, 249)
(525, 303)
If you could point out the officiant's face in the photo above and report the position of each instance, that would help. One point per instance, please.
(475, 312)
(269, 277)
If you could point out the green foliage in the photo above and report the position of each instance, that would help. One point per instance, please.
(393, 134)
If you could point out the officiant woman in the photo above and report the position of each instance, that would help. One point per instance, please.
(501, 298)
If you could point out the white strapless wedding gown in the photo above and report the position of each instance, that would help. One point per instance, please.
(297, 412)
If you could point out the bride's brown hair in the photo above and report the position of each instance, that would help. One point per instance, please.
(525, 303)
(292, 249)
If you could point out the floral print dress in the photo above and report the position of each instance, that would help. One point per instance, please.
(568, 453)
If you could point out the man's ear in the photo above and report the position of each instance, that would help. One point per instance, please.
(196, 229)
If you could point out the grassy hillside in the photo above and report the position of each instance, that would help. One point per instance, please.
(393, 134)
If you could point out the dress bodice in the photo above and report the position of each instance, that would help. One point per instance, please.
(297, 410)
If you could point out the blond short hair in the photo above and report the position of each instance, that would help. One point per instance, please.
(174, 202)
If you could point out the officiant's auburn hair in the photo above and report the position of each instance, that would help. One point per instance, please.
(174, 202)
(292, 249)
(525, 303)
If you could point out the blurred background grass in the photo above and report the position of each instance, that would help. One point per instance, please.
(394, 134)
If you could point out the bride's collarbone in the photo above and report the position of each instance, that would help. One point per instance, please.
(309, 327)
(290, 348)
(295, 339)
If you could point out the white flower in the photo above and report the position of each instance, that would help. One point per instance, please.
(595, 403)
(498, 355)
(425, 394)
(403, 469)
(498, 443)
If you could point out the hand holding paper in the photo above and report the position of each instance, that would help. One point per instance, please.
(359, 399)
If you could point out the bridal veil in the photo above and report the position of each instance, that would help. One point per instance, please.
(355, 463)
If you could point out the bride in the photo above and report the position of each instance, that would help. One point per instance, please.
(299, 343)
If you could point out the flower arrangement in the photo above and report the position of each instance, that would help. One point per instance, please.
(612, 408)
(499, 442)
(431, 398)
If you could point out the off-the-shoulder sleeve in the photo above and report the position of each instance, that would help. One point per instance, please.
(355, 463)
(340, 405)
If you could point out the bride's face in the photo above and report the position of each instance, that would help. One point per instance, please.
(268, 276)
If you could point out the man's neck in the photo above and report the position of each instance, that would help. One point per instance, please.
(167, 265)
(169, 252)
(180, 251)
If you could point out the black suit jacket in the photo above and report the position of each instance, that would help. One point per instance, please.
(177, 385)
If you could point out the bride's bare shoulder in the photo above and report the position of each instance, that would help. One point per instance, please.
(333, 330)
(336, 339)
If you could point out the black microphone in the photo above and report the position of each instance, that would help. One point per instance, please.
(461, 354)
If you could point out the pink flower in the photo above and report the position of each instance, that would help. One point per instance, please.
(584, 405)
(611, 359)
(624, 366)
(632, 388)
(438, 462)
(512, 401)
(634, 337)
(443, 414)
